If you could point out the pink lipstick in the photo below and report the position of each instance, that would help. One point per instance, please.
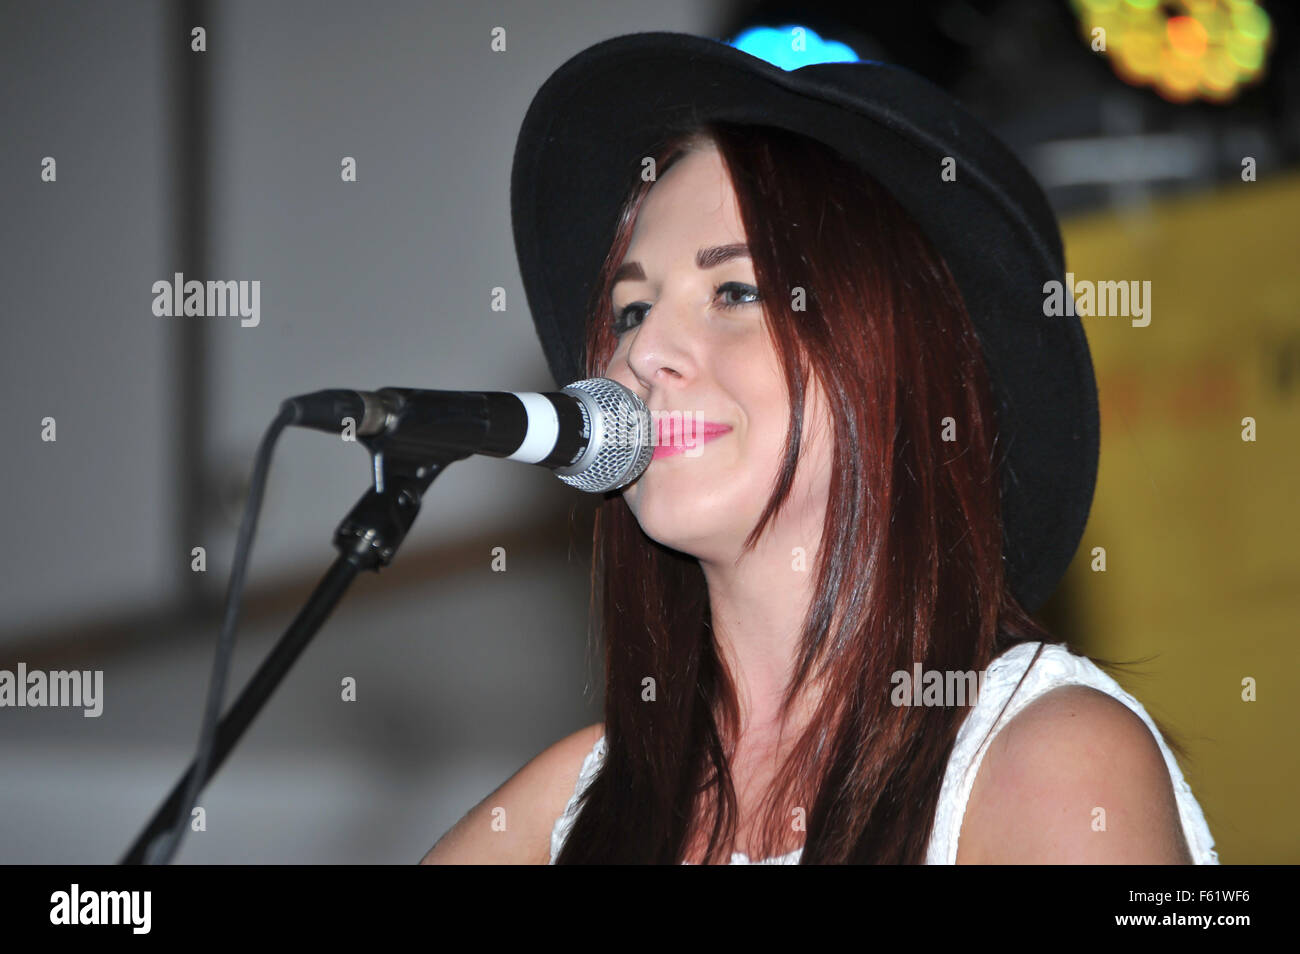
(677, 434)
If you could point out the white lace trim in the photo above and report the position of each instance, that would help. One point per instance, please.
(1055, 667)
(590, 765)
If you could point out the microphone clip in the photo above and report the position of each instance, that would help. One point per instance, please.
(376, 526)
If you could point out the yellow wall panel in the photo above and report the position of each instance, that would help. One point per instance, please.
(1200, 528)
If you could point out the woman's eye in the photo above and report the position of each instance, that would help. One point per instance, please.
(748, 294)
(621, 317)
(736, 288)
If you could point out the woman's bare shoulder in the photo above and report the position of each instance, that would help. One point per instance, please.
(1075, 778)
(513, 824)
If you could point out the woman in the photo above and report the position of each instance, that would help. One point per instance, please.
(856, 525)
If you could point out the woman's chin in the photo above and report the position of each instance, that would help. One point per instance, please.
(683, 514)
(677, 527)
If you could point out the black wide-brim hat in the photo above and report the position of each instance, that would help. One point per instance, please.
(591, 123)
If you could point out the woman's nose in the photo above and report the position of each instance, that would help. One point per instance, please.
(660, 345)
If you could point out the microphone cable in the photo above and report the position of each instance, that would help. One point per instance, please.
(165, 844)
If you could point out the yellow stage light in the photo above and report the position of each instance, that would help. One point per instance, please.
(1184, 49)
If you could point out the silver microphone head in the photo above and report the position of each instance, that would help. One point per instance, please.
(621, 444)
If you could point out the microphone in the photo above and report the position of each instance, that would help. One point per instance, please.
(595, 434)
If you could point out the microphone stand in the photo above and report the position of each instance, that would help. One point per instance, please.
(367, 539)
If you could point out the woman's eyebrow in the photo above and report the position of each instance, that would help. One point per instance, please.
(704, 258)
(709, 257)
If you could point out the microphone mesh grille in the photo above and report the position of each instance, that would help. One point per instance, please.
(621, 445)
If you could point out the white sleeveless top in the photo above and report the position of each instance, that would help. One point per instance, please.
(1056, 666)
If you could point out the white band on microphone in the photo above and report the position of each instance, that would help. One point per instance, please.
(543, 428)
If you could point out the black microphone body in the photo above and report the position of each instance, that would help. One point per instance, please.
(595, 434)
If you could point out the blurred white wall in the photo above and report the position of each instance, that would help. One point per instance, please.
(384, 281)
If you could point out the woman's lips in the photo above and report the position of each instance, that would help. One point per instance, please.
(677, 435)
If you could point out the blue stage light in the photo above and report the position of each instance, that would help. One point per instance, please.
(792, 46)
